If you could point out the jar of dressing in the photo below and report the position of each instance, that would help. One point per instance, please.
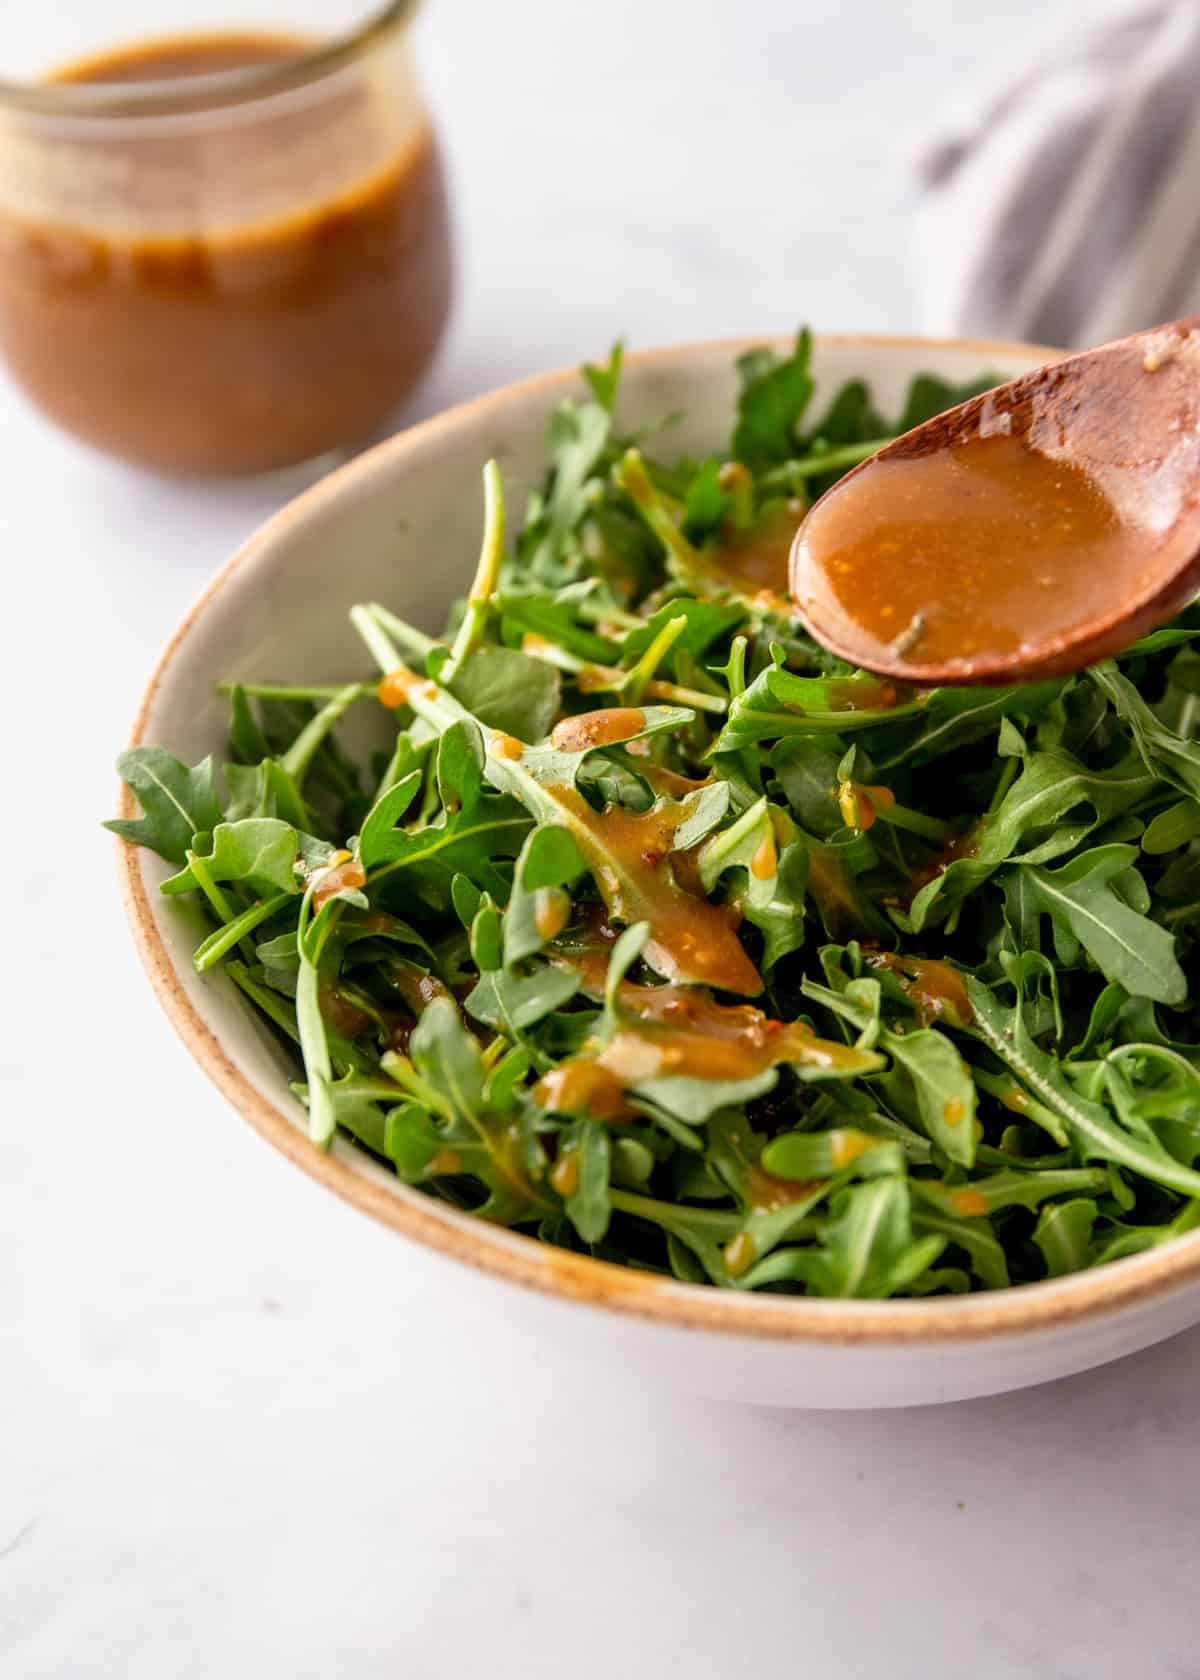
(224, 252)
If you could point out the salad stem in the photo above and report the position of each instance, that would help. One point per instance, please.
(224, 939)
(380, 645)
(401, 631)
(487, 575)
(793, 475)
(293, 691)
(299, 756)
(212, 892)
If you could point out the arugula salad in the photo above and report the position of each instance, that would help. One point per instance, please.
(659, 934)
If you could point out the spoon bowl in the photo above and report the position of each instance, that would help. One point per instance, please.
(1025, 534)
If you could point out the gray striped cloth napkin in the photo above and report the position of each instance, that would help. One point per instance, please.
(1065, 209)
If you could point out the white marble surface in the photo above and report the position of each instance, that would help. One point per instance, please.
(238, 1436)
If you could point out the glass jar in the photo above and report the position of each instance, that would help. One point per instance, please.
(224, 252)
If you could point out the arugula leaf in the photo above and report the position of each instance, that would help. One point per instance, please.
(412, 1141)
(775, 395)
(460, 761)
(773, 876)
(1051, 787)
(576, 439)
(808, 774)
(555, 621)
(1126, 946)
(1163, 751)
(930, 1082)
(869, 1248)
(459, 842)
(1097, 1131)
(1010, 1188)
(814, 1155)
(1064, 1235)
(450, 1072)
(507, 1001)
(176, 802)
(604, 381)
(705, 623)
(850, 418)
(976, 1239)
(954, 717)
(260, 851)
(706, 503)
(737, 1155)
(777, 705)
(1172, 828)
(929, 395)
(549, 860)
(509, 691)
(245, 737)
(375, 841)
(585, 1150)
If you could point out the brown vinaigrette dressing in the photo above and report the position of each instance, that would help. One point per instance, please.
(867, 694)
(765, 861)
(673, 1031)
(604, 728)
(701, 1039)
(582, 1086)
(757, 564)
(233, 305)
(395, 688)
(933, 987)
(629, 855)
(764, 1190)
(740, 1254)
(969, 1202)
(415, 986)
(860, 804)
(685, 866)
(551, 911)
(564, 1174)
(346, 1017)
(339, 1012)
(964, 845)
(345, 872)
(970, 551)
(832, 886)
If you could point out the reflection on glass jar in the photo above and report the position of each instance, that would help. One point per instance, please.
(223, 253)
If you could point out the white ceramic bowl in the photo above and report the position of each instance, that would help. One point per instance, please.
(401, 525)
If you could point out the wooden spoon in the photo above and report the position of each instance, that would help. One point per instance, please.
(1024, 534)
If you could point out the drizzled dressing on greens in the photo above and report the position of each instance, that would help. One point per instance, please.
(630, 854)
(762, 973)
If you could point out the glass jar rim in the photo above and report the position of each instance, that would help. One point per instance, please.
(210, 90)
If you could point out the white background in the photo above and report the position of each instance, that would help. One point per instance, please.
(238, 1438)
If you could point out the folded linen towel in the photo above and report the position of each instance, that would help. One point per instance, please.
(1065, 209)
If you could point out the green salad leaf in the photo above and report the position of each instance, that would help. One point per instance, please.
(176, 802)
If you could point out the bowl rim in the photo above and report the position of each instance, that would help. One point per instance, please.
(509, 1255)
